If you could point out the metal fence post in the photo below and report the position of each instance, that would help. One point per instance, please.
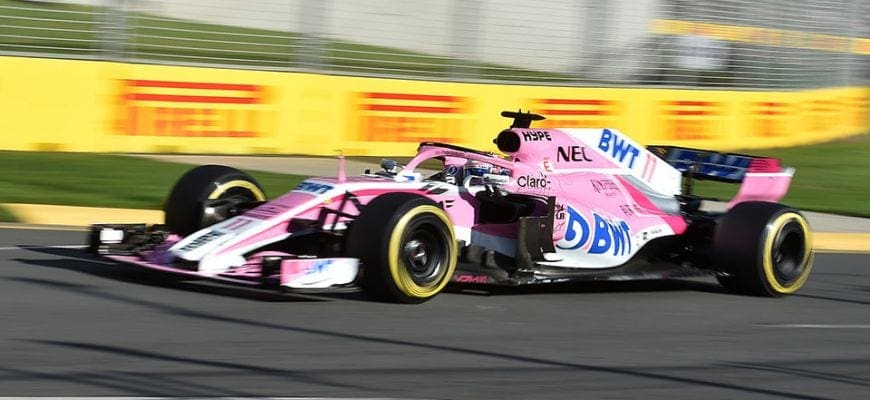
(592, 46)
(854, 14)
(113, 30)
(312, 45)
(464, 28)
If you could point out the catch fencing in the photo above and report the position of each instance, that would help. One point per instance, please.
(742, 44)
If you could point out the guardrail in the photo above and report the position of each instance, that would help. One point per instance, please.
(711, 44)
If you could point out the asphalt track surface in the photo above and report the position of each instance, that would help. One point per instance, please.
(74, 326)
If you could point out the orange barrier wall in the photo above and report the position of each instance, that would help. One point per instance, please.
(92, 106)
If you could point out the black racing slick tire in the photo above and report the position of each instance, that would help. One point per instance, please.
(406, 245)
(764, 248)
(185, 207)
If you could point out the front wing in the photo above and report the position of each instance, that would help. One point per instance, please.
(138, 245)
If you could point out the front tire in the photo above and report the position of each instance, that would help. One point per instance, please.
(765, 248)
(185, 206)
(406, 245)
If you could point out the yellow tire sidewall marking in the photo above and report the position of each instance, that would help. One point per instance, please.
(767, 257)
(400, 275)
(223, 187)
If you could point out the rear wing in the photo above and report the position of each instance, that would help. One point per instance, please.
(760, 178)
(713, 165)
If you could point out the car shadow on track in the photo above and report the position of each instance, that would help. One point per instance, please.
(657, 285)
(79, 261)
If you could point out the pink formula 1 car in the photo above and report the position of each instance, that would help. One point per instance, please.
(562, 205)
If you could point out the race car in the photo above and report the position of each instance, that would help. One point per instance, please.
(558, 205)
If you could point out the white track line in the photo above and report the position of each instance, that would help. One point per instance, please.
(818, 326)
(208, 398)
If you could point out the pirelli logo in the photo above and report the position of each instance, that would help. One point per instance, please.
(579, 113)
(410, 117)
(770, 117)
(859, 111)
(822, 115)
(691, 119)
(192, 109)
(837, 113)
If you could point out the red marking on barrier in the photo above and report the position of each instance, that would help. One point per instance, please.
(575, 102)
(768, 108)
(768, 117)
(574, 112)
(692, 103)
(192, 85)
(191, 114)
(409, 117)
(691, 112)
(412, 109)
(176, 98)
(410, 96)
(691, 119)
(577, 112)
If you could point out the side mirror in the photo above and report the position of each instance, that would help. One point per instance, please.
(497, 180)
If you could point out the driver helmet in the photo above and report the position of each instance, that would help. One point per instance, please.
(473, 168)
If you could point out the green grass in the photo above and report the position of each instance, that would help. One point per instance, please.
(6, 216)
(75, 30)
(830, 177)
(98, 180)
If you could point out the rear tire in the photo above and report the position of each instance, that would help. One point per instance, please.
(184, 208)
(765, 248)
(406, 245)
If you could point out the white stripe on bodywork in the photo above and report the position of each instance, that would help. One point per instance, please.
(647, 167)
(233, 232)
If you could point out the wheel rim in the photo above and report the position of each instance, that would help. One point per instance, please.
(787, 256)
(231, 194)
(236, 187)
(423, 251)
(788, 253)
(241, 193)
(421, 254)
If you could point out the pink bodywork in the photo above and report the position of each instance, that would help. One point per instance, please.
(612, 196)
(763, 186)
